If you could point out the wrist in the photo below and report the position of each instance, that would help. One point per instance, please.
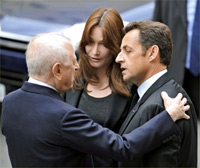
(172, 115)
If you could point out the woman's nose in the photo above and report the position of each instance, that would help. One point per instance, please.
(96, 50)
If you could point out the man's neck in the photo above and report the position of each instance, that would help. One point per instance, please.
(40, 82)
(149, 82)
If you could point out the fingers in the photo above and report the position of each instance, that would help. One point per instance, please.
(184, 101)
(186, 108)
(179, 97)
(176, 107)
(164, 95)
(185, 116)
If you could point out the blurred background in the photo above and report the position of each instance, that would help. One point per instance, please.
(21, 20)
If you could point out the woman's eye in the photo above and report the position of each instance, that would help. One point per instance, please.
(103, 44)
(91, 42)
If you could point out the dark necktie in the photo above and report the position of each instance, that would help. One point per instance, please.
(194, 60)
(134, 100)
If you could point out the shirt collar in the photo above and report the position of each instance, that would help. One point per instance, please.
(149, 82)
(38, 82)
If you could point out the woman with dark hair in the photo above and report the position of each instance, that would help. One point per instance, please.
(98, 86)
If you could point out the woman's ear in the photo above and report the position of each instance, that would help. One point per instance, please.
(57, 70)
(153, 53)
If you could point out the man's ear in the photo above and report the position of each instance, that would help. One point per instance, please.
(57, 70)
(153, 53)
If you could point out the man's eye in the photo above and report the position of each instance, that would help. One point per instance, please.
(128, 51)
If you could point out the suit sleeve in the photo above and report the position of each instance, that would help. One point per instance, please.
(165, 155)
(82, 134)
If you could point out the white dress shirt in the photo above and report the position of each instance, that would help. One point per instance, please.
(149, 82)
(32, 80)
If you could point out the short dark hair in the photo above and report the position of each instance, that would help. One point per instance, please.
(154, 33)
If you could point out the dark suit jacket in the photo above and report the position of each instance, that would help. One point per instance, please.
(173, 13)
(117, 112)
(43, 131)
(177, 151)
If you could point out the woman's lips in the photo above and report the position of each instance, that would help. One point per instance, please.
(95, 59)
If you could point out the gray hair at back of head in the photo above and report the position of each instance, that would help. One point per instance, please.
(43, 51)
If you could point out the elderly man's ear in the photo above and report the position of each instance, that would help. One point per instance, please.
(57, 70)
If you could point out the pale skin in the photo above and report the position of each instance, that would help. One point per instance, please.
(176, 106)
(61, 76)
(138, 66)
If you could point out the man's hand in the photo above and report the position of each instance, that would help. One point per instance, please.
(176, 106)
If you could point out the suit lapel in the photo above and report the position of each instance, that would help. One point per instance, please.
(73, 98)
(127, 120)
(159, 83)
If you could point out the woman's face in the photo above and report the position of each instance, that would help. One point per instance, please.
(99, 56)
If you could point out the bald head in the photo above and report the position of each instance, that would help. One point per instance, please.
(44, 50)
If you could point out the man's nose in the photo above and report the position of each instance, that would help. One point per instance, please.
(119, 58)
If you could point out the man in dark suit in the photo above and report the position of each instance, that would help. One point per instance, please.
(43, 131)
(182, 17)
(145, 55)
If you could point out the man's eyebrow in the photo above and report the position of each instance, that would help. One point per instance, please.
(126, 47)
